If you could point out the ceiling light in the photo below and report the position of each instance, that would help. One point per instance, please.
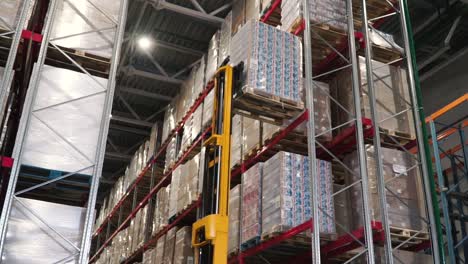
(145, 43)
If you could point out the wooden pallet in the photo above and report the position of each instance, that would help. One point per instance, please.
(400, 235)
(394, 138)
(275, 17)
(250, 243)
(258, 104)
(302, 238)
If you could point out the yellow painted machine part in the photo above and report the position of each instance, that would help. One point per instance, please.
(217, 225)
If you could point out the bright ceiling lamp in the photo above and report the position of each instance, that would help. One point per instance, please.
(145, 43)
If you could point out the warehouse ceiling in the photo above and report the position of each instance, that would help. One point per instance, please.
(180, 31)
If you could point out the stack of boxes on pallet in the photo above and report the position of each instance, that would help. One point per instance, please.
(275, 195)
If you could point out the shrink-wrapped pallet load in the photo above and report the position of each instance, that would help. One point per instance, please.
(169, 246)
(329, 12)
(160, 219)
(234, 217)
(286, 199)
(208, 109)
(160, 245)
(402, 179)
(171, 154)
(199, 78)
(245, 138)
(225, 39)
(148, 256)
(391, 92)
(272, 61)
(183, 252)
(243, 11)
(236, 139)
(169, 121)
(212, 56)
(174, 192)
(143, 226)
(251, 205)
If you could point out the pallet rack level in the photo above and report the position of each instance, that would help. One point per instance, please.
(362, 129)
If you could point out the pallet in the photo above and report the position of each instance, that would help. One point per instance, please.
(259, 105)
(187, 219)
(304, 237)
(250, 243)
(400, 235)
(394, 138)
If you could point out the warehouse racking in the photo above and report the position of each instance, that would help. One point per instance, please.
(449, 154)
(67, 51)
(349, 136)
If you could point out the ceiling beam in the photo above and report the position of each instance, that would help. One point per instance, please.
(118, 156)
(129, 130)
(158, 77)
(131, 121)
(214, 20)
(145, 93)
(179, 48)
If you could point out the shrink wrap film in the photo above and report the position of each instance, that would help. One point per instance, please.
(272, 60)
(183, 252)
(251, 226)
(234, 218)
(170, 246)
(160, 245)
(400, 179)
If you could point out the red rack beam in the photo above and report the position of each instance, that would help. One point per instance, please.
(270, 11)
(164, 181)
(153, 159)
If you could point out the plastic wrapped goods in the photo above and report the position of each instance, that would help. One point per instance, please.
(169, 246)
(208, 109)
(329, 12)
(236, 140)
(234, 214)
(272, 60)
(391, 92)
(342, 211)
(402, 256)
(245, 137)
(225, 39)
(160, 219)
(401, 180)
(243, 11)
(174, 193)
(171, 154)
(169, 121)
(212, 58)
(286, 199)
(160, 245)
(148, 256)
(199, 78)
(251, 203)
(183, 252)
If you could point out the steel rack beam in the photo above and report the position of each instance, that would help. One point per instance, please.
(30, 110)
(163, 4)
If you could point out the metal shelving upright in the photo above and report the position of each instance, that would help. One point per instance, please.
(450, 157)
(81, 40)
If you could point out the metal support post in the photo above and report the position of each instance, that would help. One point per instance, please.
(443, 193)
(311, 132)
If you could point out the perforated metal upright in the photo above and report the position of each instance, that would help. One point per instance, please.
(12, 24)
(74, 30)
(363, 72)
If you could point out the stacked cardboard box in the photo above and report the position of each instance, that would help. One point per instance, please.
(169, 246)
(251, 203)
(148, 256)
(169, 121)
(183, 252)
(185, 182)
(245, 137)
(234, 216)
(225, 39)
(401, 177)
(330, 12)
(243, 11)
(160, 218)
(272, 60)
(160, 245)
(391, 90)
(188, 190)
(286, 200)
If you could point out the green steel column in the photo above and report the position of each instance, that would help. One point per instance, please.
(426, 142)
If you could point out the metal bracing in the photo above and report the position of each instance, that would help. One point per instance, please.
(404, 111)
(313, 41)
(11, 29)
(93, 29)
(450, 156)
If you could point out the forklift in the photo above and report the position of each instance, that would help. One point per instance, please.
(210, 231)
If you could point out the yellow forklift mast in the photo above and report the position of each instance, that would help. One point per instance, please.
(210, 232)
